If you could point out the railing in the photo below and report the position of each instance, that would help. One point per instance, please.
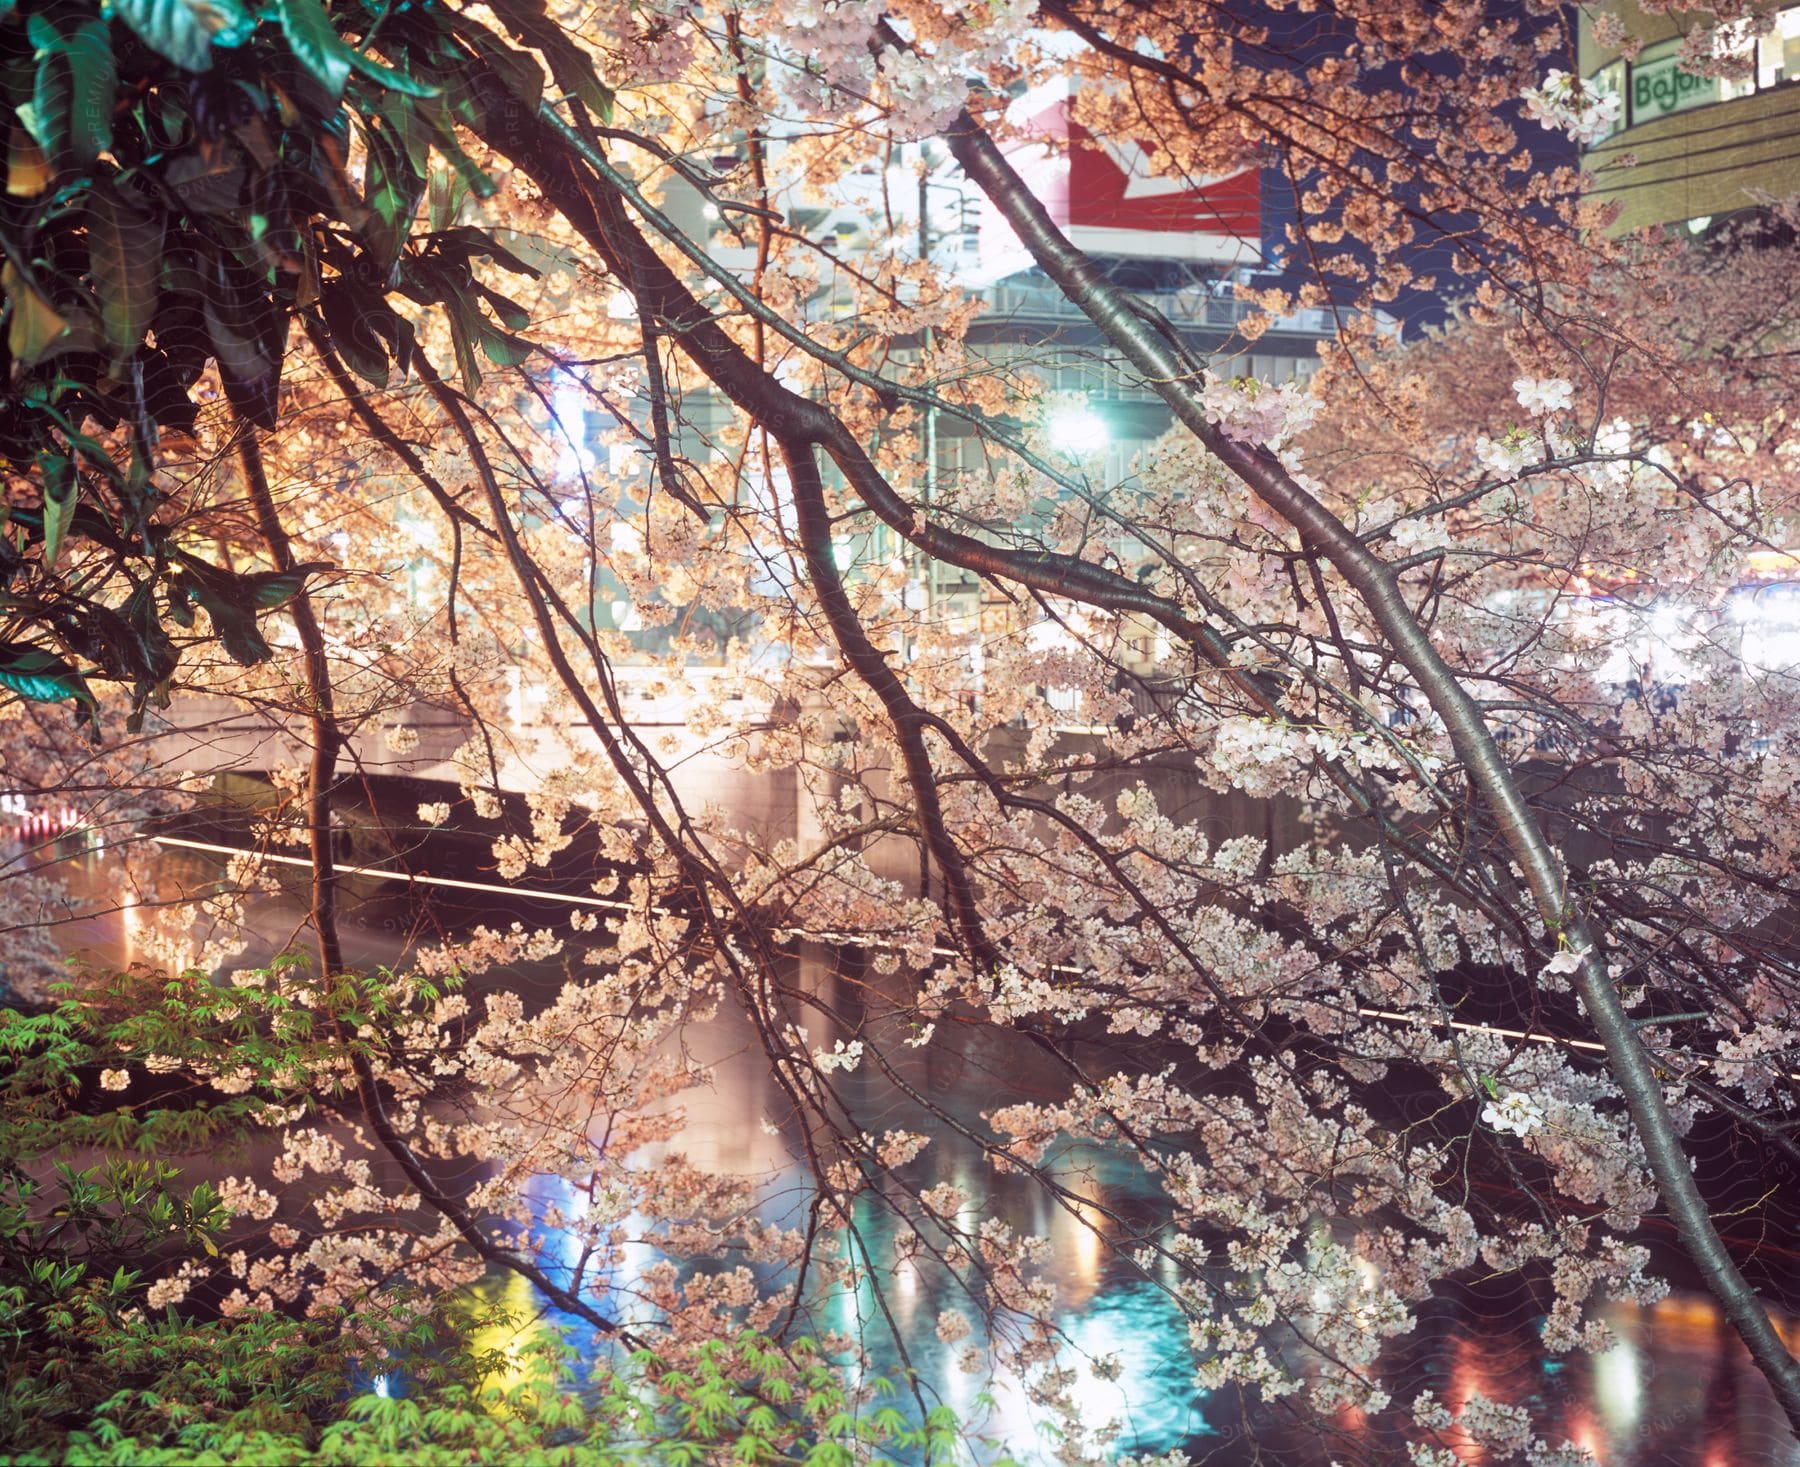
(1195, 307)
(1190, 307)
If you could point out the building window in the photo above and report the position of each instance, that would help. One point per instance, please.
(1609, 81)
(1778, 53)
(1654, 86)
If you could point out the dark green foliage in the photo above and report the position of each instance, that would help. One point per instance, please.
(176, 194)
(87, 1370)
(41, 676)
(78, 1246)
(182, 33)
(90, 1374)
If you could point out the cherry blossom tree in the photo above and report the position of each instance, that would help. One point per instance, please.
(1472, 604)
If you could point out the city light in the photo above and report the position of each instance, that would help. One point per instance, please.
(569, 403)
(1077, 430)
(857, 759)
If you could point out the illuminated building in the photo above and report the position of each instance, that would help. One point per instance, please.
(1705, 148)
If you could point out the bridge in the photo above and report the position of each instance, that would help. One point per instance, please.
(219, 736)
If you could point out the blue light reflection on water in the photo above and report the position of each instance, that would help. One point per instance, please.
(1110, 1308)
(1676, 1390)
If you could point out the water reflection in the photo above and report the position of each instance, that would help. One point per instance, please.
(513, 1341)
(1675, 1389)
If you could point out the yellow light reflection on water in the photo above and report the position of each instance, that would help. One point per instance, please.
(128, 926)
(1078, 1233)
(1619, 1380)
(519, 1341)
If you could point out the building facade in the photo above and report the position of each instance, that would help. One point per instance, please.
(1691, 151)
(1182, 245)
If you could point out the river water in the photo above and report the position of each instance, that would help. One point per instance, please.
(1677, 1389)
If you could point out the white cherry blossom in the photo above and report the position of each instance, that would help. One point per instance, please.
(841, 1056)
(1515, 1112)
(1251, 411)
(1567, 104)
(1568, 960)
(1543, 395)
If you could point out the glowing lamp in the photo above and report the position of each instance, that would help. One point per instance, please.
(1077, 430)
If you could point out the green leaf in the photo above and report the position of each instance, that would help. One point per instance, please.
(344, 305)
(570, 67)
(440, 119)
(239, 635)
(272, 589)
(316, 43)
(229, 600)
(76, 83)
(185, 31)
(40, 676)
(125, 256)
(159, 654)
(249, 336)
(411, 132)
(502, 349)
(33, 324)
(106, 638)
(394, 81)
(467, 363)
(522, 74)
(573, 71)
(207, 185)
(181, 602)
(61, 492)
(446, 198)
(467, 242)
(330, 58)
(512, 315)
(469, 326)
(393, 195)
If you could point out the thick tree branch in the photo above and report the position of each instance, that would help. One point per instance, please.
(1175, 381)
(328, 742)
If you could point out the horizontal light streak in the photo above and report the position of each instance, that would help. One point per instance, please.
(845, 939)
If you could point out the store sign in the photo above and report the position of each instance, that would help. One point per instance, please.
(1116, 186)
(1660, 87)
(1116, 196)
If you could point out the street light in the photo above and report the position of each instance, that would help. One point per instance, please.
(568, 406)
(1076, 430)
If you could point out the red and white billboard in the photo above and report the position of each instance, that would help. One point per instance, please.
(1110, 198)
